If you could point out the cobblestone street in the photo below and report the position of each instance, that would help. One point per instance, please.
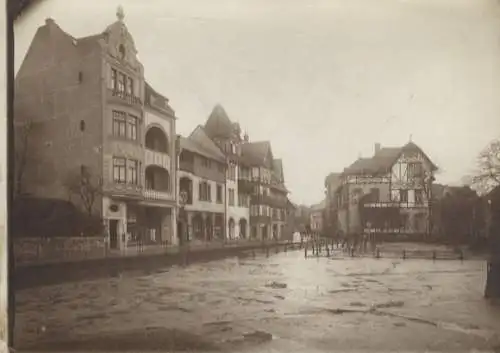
(284, 302)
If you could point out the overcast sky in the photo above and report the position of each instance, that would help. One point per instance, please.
(323, 80)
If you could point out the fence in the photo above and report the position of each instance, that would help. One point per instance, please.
(331, 248)
(37, 251)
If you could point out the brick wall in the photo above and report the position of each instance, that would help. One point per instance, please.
(30, 251)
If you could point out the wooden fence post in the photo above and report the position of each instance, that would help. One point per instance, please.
(404, 254)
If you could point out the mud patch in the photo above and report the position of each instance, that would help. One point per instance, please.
(257, 337)
(279, 297)
(276, 285)
(358, 304)
(334, 291)
(390, 304)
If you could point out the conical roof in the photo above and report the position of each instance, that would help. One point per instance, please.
(218, 123)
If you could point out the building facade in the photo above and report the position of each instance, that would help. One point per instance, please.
(388, 195)
(228, 137)
(317, 217)
(264, 179)
(202, 177)
(93, 119)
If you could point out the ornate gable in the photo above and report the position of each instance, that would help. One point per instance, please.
(119, 42)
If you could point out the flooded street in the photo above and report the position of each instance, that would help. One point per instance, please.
(283, 302)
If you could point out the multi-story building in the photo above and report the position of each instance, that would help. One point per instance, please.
(227, 136)
(332, 182)
(264, 178)
(316, 217)
(92, 116)
(388, 194)
(202, 171)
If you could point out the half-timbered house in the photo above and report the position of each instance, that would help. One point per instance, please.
(388, 194)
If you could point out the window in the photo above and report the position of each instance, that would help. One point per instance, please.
(119, 170)
(80, 77)
(82, 125)
(375, 194)
(130, 86)
(113, 79)
(403, 195)
(231, 197)
(415, 170)
(232, 172)
(121, 49)
(132, 127)
(243, 200)
(205, 162)
(119, 123)
(124, 126)
(419, 197)
(205, 191)
(220, 167)
(133, 171)
(219, 193)
(120, 87)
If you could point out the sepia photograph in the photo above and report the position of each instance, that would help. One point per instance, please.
(252, 176)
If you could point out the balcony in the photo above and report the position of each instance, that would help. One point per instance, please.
(158, 184)
(157, 195)
(124, 97)
(245, 185)
(158, 159)
(272, 201)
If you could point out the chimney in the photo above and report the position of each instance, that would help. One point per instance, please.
(377, 147)
(49, 21)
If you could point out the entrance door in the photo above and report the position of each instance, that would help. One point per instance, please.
(113, 233)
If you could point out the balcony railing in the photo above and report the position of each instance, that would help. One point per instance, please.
(187, 166)
(127, 97)
(157, 195)
(160, 159)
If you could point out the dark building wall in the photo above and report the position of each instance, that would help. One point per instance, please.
(59, 89)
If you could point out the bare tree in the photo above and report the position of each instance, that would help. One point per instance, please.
(21, 154)
(487, 175)
(86, 186)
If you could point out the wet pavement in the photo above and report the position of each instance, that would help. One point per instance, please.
(283, 302)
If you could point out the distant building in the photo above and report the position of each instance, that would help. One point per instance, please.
(266, 182)
(317, 216)
(332, 183)
(388, 194)
(92, 116)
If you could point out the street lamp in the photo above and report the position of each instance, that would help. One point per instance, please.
(183, 201)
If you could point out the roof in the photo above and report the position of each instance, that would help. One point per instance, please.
(218, 123)
(382, 161)
(254, 153)
(319, 206)
(332, 178)
(198, 142)
(278, 168)
(156, 100)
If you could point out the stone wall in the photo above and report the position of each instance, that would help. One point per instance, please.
(31, 251)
